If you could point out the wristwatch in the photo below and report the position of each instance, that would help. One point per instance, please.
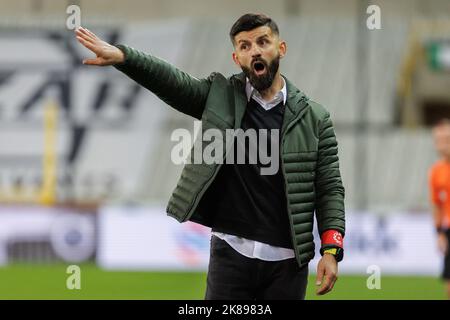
(337, 252)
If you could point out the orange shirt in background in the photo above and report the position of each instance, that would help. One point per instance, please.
(439, 180)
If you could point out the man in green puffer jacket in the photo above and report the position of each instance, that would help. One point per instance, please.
(261, 224)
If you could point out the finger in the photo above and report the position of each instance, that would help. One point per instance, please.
(325, 286)
(330, 280)
(85, 31)
(91, 33)
(333, 282)
(86, 43)
(320, 274)
(325, 292)
(78, 32)
(86, 34)
(83, 41)
(93, 62)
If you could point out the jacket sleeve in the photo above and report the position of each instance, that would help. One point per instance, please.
(175, 87)
(330, 212)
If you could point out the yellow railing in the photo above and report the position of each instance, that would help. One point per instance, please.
(45, 194)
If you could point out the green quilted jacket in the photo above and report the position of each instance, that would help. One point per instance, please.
(308, 154)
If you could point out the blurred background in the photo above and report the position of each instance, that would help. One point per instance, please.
(85, 167)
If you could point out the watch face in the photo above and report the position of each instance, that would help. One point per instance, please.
(331, 251)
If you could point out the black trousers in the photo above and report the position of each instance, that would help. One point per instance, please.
(446, 271)
(234, 276)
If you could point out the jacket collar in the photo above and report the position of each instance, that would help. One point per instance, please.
(296, 101)
(251, 92)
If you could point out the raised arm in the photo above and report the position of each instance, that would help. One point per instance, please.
(175, 87)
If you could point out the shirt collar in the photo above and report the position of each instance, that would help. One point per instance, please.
(250, 91)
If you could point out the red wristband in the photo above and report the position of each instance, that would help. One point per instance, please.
(332, 237)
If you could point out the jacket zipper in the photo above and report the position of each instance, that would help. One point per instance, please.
(211, 178)
(297, 256)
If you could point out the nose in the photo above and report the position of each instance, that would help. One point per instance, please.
(255, 52)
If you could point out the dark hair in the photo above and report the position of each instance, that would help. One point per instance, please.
(251, 21)
(441, 122)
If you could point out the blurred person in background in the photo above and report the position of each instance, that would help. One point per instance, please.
(261, 225)
(440, 194)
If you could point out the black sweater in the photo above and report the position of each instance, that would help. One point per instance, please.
(243, 202)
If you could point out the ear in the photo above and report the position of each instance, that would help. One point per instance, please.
(235, 59)
(282, 48)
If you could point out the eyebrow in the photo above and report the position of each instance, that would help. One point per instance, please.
(239, 41)
(259, 38)
(263, 36)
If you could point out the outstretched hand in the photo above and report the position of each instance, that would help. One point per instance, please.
(106, 54)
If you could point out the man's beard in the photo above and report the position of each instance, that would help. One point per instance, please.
(262, 82)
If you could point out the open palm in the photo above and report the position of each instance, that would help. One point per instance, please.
(106, 54)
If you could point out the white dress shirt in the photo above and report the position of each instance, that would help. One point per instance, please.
(252, 248)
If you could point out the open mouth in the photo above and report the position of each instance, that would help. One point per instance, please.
(259, 68)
